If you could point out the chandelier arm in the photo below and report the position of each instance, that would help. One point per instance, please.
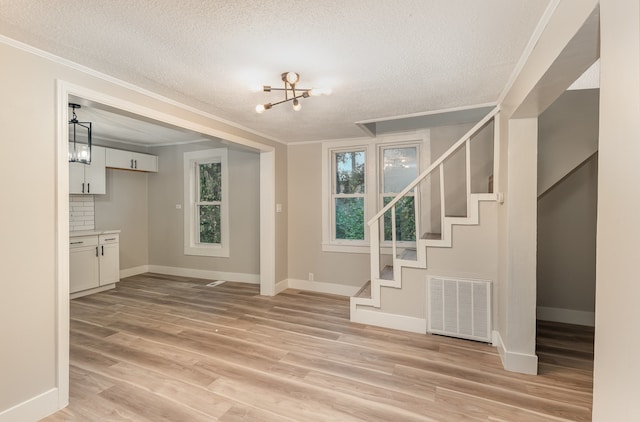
(289, 99)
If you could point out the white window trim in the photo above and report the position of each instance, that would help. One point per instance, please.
(191, 246)
(372, 183)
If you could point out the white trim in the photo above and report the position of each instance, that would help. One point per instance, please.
(320, 287)
(34, 409)
(92, 72)
(281, 286)
(515, 361)
(568, 316)
(267, 206)
(190, 189)
(92, 291)
(62, 245)
(205, 274)
(425, 113)
(533, 41)
(130, 272)
(396, 322)
(268, 223)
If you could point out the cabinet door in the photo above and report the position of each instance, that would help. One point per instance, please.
(76, 178)
(145, 162)
(95, 173)
(119, 159)
(83, 268)
(109, 263)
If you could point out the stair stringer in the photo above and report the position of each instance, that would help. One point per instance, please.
(446, 241)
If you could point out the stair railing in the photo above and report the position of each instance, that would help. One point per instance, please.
(375, 223)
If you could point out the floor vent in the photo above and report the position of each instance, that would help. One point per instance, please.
(216, 283)
(459, 308)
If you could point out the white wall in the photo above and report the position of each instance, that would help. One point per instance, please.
(617, 367)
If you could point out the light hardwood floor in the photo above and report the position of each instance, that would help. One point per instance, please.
(161, 348)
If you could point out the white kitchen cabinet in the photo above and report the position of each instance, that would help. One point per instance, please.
(89, 178)
(109, 259)
(84, 270)
(129, 160)
(94, 263)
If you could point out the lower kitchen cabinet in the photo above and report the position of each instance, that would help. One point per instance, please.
(94, 263)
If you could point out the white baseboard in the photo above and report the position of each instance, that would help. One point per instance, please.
(514, 361)
(568, 316)
(205, 274)
(397, 322)
(92, 291)
(281, 285)
(320, 287)
(34, 409)
(130, 272)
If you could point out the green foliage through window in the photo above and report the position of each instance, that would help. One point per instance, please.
(210, 182)
(405, 220)
(350, 218)
(210, 192)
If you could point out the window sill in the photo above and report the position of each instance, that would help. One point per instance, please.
(361, 248)
(218, 251)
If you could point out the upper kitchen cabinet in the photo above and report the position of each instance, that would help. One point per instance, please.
(89, 178)
(129, 160)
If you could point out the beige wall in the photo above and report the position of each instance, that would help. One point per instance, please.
(442, 138)
(616, 366)
(568, 132)
(568, 135)
(166, 230)
(125, 207)
(566, 268)
(305, 225)
(29, 293)
(516, 286)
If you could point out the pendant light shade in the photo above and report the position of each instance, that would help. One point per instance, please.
(79, 138)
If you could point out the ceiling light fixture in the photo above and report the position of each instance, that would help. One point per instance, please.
(79, 152)
(291, 92)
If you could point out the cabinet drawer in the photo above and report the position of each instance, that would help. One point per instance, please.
(109, 238)
(81, 241)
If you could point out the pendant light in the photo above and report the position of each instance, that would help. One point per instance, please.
(79, 152)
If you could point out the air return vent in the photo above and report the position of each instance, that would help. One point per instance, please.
(459, 308)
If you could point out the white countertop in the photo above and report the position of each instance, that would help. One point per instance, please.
(92, 232)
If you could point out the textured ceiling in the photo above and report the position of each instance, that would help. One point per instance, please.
(382, 58)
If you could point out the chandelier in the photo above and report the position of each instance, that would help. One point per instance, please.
(291, 92)
(79, 152)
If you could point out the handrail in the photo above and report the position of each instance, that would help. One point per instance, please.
(434, 165)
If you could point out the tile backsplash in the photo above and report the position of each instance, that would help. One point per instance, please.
(81, 212)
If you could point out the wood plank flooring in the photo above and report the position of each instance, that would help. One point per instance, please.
(162, 348)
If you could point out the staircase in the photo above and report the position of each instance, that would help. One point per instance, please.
(415, 256)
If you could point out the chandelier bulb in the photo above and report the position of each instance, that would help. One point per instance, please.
(292, 78)
(296, 105)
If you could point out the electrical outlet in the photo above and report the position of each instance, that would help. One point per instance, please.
(310, 276)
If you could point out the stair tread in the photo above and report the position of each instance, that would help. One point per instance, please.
(409, 254)
(432, 236)
(365, 290)
(387, 273)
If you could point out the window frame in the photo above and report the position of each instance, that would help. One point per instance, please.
(191, 162)
(373, 184)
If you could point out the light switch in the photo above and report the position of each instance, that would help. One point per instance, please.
(178, 206)
(278, 207)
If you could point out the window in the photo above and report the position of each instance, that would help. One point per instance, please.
(399, 168)
(359, 178)
(206, 214)
(349, 194)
